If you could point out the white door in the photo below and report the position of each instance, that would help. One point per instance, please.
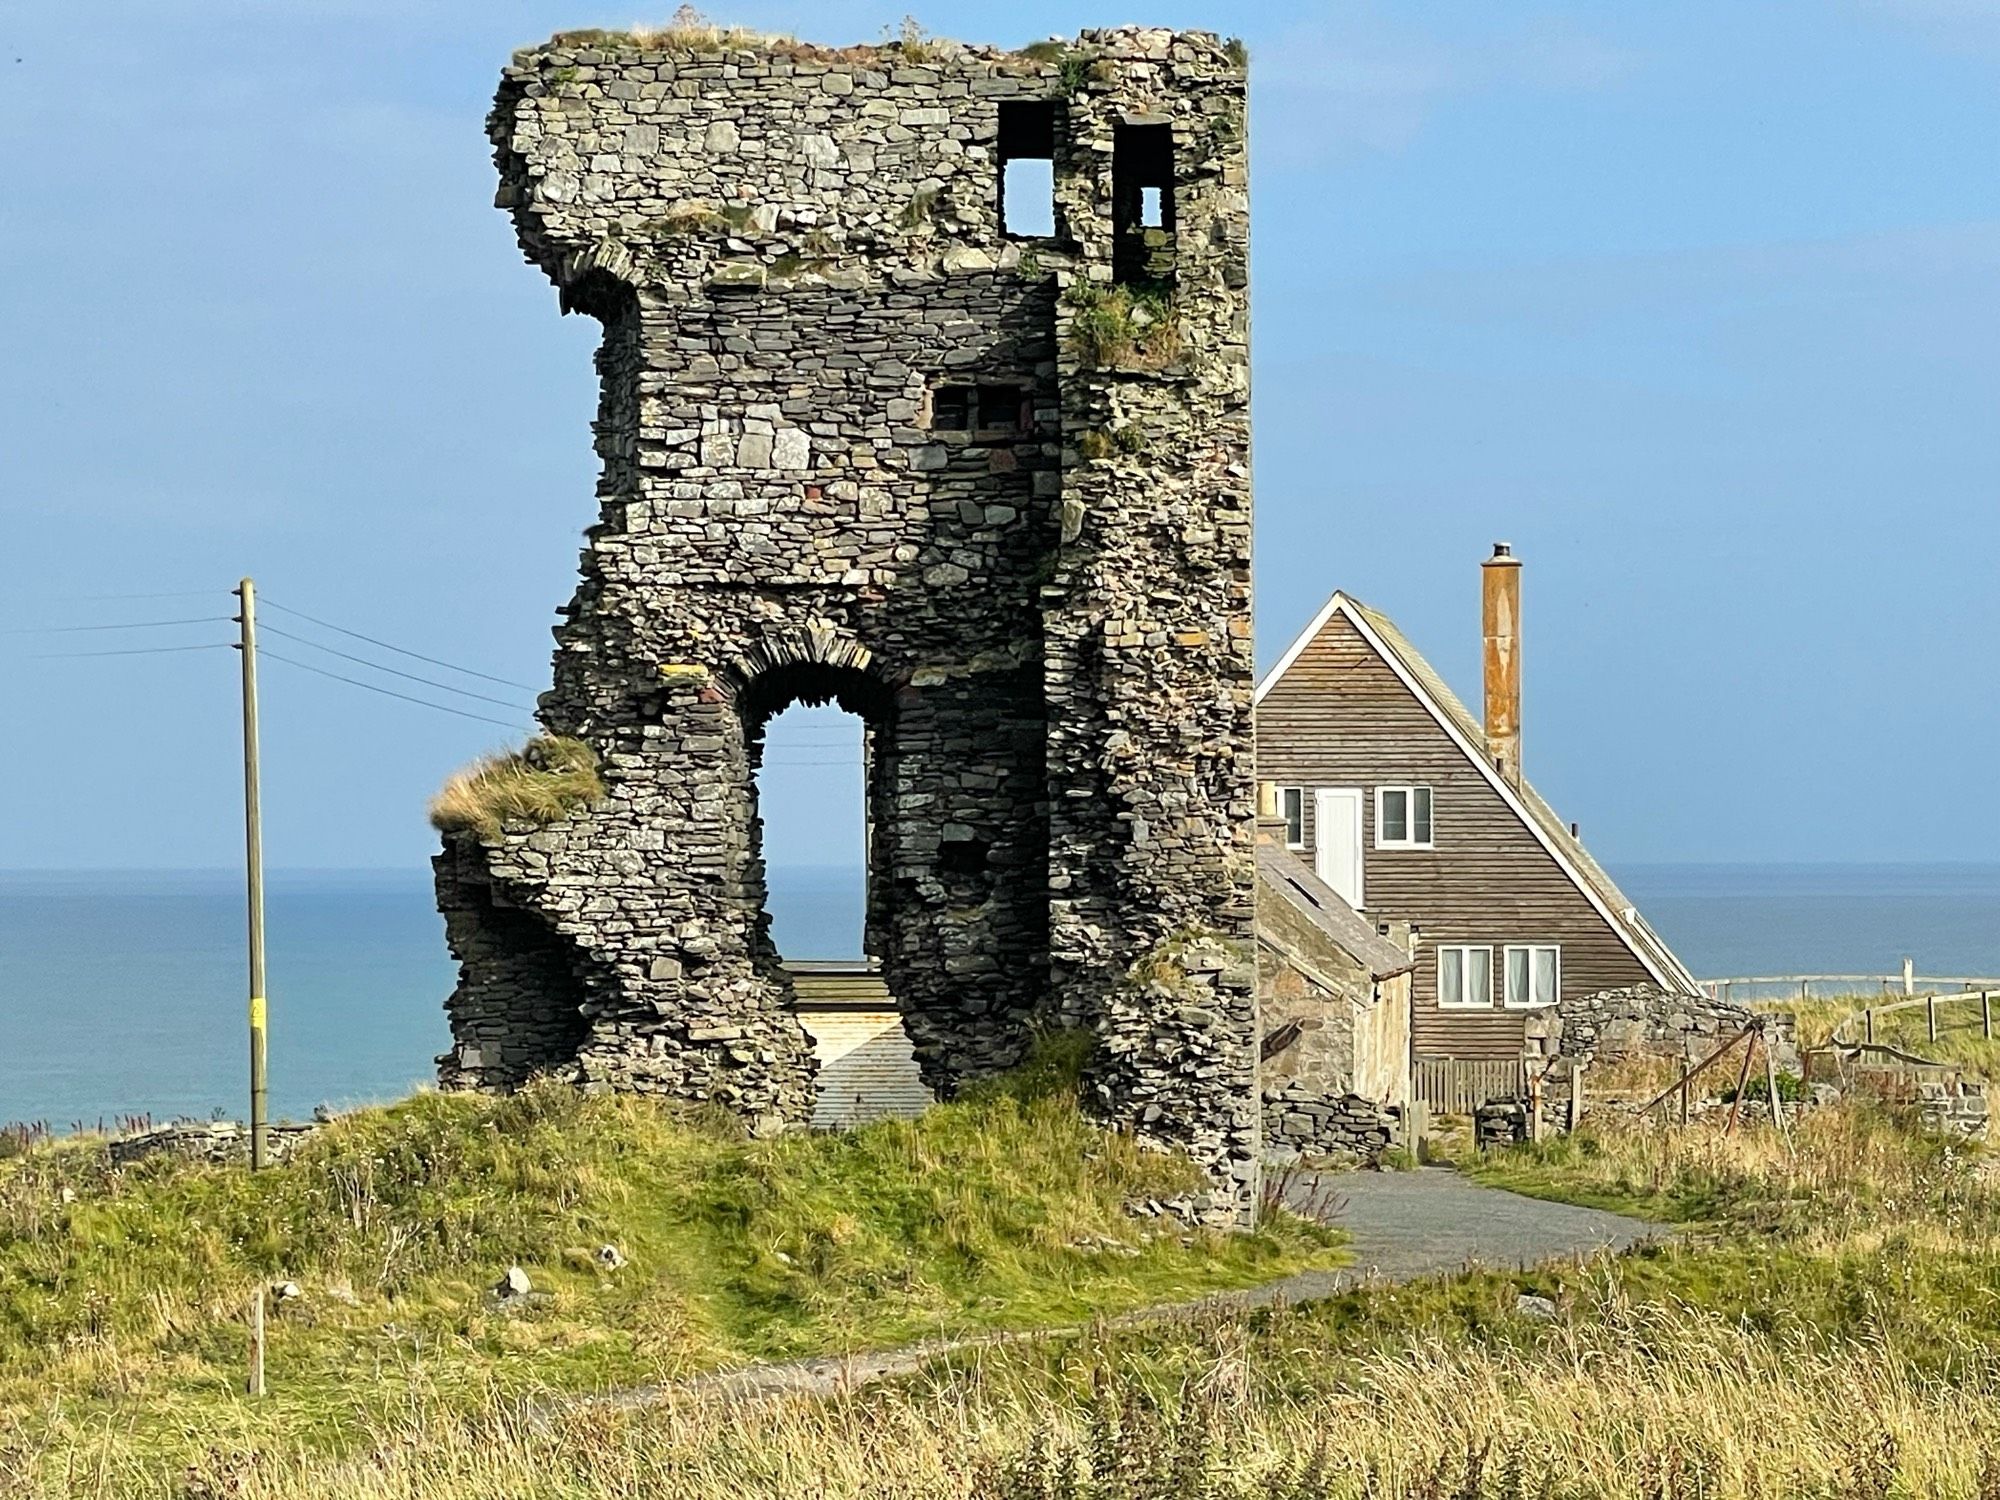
(1337, 840)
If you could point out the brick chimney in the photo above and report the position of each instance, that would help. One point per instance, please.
(1500, 615)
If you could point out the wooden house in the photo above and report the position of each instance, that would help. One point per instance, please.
(1417, 813)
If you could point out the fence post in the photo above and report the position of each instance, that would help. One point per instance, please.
(1535, 1109)
(1909, 976)
(1930, 1016)
(1576, 1095)
(1868, 1025)
(1986, 1014)
(1805, 991)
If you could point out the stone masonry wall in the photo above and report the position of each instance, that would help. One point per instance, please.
(991, 493)
(1643, 1021)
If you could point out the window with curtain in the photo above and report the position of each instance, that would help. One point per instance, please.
(1534, 974)
(1465, 977)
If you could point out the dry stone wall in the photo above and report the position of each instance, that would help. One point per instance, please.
(991, 493)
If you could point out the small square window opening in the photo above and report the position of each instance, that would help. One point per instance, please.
(980, 409)
(1028, 168)
(952, 408)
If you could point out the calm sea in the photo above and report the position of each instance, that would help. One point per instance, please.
(123, 993)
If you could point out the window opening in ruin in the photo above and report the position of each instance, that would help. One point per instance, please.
(811, 804)
(962, 857)
(983, 409)
(1142, 203)
(1028, 168)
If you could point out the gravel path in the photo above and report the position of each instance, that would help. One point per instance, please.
(1404, 1225)
(1411, 1224)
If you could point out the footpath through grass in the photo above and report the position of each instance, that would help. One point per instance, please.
(1831, 1331)
(122, 1293)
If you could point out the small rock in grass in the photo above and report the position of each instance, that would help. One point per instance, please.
(514, 1284)
(1541, 1309)
(285, 1291)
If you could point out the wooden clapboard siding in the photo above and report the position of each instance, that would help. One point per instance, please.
(1340, 716)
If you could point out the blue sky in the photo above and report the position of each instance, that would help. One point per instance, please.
(1697, 305)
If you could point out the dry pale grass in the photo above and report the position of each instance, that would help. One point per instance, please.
(1842, 1169)
(1612, 1402)
(547, 779)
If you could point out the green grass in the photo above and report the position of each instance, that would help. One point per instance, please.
(1960, 1040)
(122, 1293)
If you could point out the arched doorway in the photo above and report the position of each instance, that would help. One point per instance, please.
(813, 736)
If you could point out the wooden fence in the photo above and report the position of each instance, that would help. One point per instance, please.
(1452, 1086)
(1769, 987)
(1864, 1021)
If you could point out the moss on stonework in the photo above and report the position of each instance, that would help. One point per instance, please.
(1128, 438)
(545, 780)
(688, 219)
(1124, 327)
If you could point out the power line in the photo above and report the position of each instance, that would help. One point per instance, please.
(388, 692)
(395, 672)
(127, 625)
(176, 594)
(135, 651)
(399, 650)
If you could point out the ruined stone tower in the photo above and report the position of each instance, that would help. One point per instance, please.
(867, 438)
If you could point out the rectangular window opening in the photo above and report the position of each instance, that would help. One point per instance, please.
(1403, 817)
(1292, 803)
(1142, 203)
(1465, 977)
(986, 410)
(1028, 168)
(1533, 975)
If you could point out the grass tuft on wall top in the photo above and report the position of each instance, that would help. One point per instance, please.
(545, 780)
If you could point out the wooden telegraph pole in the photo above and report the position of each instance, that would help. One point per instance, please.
(253, 860)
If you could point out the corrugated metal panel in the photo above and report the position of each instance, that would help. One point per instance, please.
(866, 1070)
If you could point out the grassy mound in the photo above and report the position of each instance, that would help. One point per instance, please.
(547, 779)
(1829, 1331)
(123, 1293)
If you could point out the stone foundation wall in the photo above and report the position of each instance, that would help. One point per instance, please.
(1303, 1124)
(990, 493)
(218, 1142)
(1641, 1021)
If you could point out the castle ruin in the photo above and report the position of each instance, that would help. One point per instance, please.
(978, 471)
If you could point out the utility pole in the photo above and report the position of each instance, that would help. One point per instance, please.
(253, 860)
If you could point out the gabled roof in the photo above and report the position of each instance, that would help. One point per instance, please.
(1294, 882)
(1422, 679)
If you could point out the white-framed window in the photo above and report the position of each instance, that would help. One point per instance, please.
(1465, 977)
(1402, 817)
(1531, 975)
(1292, 805)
